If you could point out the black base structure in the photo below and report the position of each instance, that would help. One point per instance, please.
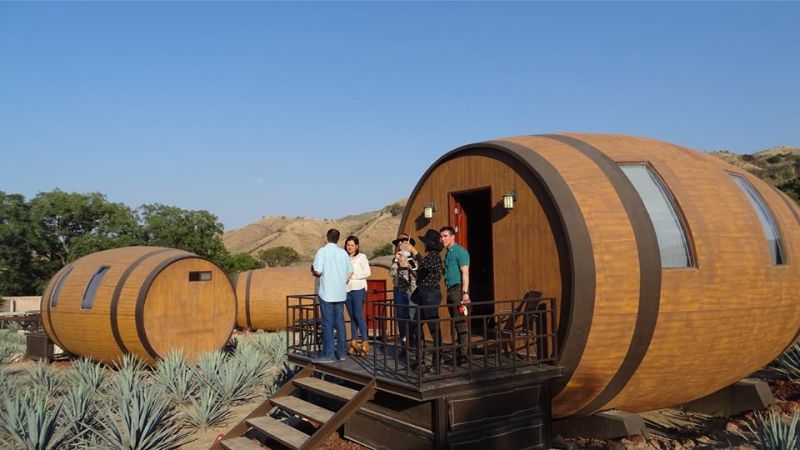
(603, 425)
(496, 410)
(741, 396)
(505, 414)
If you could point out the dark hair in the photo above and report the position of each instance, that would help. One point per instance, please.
(448, 228)
(354, 239)
(333, 235)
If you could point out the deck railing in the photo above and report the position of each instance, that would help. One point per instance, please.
(505, 335)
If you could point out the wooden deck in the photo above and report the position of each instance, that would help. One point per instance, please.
(401, 377)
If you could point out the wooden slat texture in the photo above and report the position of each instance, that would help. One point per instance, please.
(279, 431)
(241, 443)
(302, 408)
(268, 290)
(325, 388)
(177, 314)
(718, 321)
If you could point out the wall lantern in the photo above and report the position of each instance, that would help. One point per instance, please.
(508, 199)
(429, 209)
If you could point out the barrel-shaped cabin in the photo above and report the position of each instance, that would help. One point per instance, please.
(146, 301)
(261, 295)
(674, 273)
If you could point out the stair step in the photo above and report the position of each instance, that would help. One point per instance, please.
(286, 435)
(303, 408)
(326, 388)
(241, 443)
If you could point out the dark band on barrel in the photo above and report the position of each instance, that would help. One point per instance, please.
(649, 270)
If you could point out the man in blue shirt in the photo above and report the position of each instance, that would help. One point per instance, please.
(456, 278)
(333, 267)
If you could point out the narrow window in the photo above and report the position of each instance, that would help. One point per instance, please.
(669, 225)
(91, 290)
(765, 217)
(57, 289)
(200, 276)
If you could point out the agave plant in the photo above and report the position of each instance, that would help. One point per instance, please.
(145, 420)
(80, 407)
(788, 363)
(29, 421)
(208, 409)
(86, 372)
(43, 378)
(772, 432)
(228, 376)
(176, 377)
(131, 375)
(12, 345)
(271, 345)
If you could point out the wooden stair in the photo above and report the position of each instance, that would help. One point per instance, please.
(327, 421)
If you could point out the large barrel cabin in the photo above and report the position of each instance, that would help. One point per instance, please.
(146, 301)
(675, 274)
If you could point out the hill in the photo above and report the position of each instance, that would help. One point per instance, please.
(778, 165)
(305, 234)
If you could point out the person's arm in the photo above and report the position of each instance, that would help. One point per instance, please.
(316, 266)
(361, 270)
(465, 284)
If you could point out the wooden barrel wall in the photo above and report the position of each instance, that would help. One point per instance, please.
(261, 295)
(633, 335)
(145, 301)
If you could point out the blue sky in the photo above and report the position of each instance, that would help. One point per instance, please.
(329, 109)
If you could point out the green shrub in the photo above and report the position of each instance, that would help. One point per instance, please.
(279, 256)
(384, 250)
(395, 209)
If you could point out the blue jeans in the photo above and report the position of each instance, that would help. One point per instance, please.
(401, 304)
(355, 307)
(333, 317)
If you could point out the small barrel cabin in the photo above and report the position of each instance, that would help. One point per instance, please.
(146, 301)
(675, 274)
(261, 295)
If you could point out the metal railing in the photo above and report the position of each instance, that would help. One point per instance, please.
(506, 335)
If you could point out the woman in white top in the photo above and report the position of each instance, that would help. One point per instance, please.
(356, 294)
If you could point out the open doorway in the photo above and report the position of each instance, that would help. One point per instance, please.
(471, 216)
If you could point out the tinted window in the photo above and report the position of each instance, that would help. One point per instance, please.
(57, 289)
(199, 276)
(669, 225)
(765, 217)
(91, 291)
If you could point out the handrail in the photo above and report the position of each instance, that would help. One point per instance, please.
(504, 335)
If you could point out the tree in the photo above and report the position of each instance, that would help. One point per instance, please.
(279, 256)
(383, 250)
(194, 231)
(239, 262)
(21, 271)
(71, 225)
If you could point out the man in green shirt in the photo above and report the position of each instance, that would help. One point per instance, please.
(456, 278)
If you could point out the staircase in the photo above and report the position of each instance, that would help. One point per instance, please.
(327, 421)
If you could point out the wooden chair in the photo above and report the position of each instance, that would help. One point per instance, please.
(519, 336)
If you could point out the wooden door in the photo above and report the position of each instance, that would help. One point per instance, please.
(376, 292)
(458, 220)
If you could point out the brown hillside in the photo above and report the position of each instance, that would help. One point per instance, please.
(776, 165)
(306, 234)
